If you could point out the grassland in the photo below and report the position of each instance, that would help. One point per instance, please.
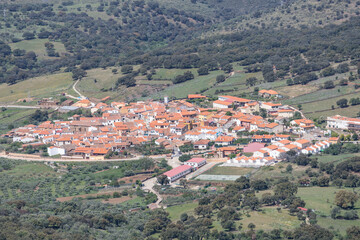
(218, 170)
(96, 80)
(321, 198)
(267, 219)
(31, 169)
(181, 90)
(278, 171)
(176, 211)
(296, 16)
(270, 218)
(37, 46)
(13, 116)
(44, 86)
(170, 74)
(322, 201)
(326, 158)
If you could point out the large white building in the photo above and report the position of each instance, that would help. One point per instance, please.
(345, 123)
(196, 162)
(52, 151)
(178, 172)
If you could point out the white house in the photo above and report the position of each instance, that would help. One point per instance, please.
(221, 104)
(277, 154)
(23, 139)
(52, 151)
(261, 154)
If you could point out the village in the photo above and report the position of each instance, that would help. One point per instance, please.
(235, 131)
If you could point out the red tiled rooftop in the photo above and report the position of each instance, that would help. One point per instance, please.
(177, 170)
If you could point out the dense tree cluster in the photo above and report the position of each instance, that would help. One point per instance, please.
(132, 35)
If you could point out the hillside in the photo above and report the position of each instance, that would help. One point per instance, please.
(294, 14)
(285, 45)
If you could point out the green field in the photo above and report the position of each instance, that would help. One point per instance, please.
(350, 111)
(279, 171)
(170, 74)
(321, 199)
(44, 86)
(270, 218)
(326, 158)
(176, 211)
(13, 116)
(37, 46)
(325, 104)
(31, 169)
(181, 90)
(98, 79)
(267, 219)
(217, 170)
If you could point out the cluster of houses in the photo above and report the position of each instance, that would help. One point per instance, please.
(270, 151)
(343, 123)
(120, 126)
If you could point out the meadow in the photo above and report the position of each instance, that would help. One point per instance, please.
(13, 116)
(218, 170)
(321, 199)
(44, 86)
(37, 46)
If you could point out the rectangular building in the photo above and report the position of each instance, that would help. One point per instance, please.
(178, 172)
(196, 162)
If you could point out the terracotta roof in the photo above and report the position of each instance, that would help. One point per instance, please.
(177, 170)
(196, 160)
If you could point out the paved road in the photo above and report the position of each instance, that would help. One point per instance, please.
(201, 170)
(43, 159)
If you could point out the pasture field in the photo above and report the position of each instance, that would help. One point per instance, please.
(181, 90)
(326, 104)
(350, 111)
(32, 169)
(279, 171)
(326, 158)
(170, 74)
(320, 94)
(37, 46)
(176, 211)
(218, 170)
(13, 116)
(44, 86)
(270, 218)
(321, 199)
(98, 79)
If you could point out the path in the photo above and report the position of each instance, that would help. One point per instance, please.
(74, 87)
(148, 185)
(297, 110)
(20, 106)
